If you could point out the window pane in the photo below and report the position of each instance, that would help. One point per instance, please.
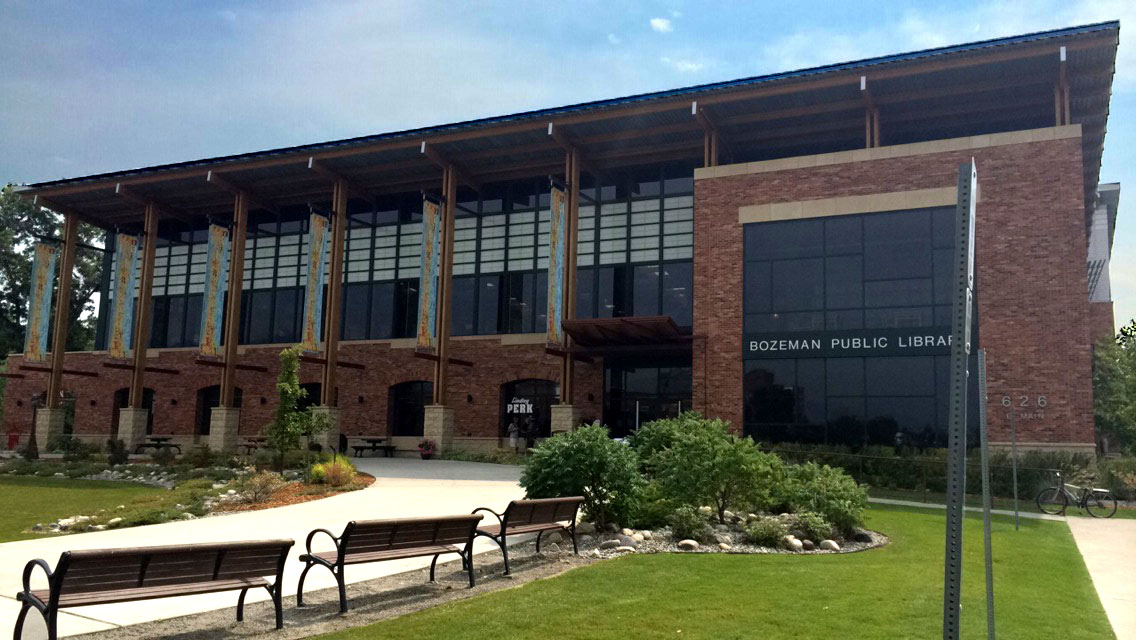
(382, 310)
(356, 303)
(488, 295)
(678, 280)
(778, 240)
(287, 315)
(798, 285)
(585, 293)
(462, 306)
(260, 317)
(843, 283)
(645, 290)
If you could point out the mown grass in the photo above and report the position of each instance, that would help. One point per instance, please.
(1042, 587)
(28, 499)
(1026, 504)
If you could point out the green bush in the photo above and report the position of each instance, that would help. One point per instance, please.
(30, 451)
(200, 457)
(259, 487)
(706, 464)
(337, 472)
(658, 435)
(73, 449)
(766, 531)
(163, 456)
(1118, 475)
(117, 452)
(810, 526)
(317, 474)
(687, 523)
(588, 463)
(653, 510)
(496, 456)
(826, 491)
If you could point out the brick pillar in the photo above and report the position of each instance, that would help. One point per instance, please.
(329, 438)
(565, 418)
(132, 426)
(48, 426)
(224, 423)
(439, 426)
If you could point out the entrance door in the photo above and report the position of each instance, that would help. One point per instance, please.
(122, 398)
(521, 399)
(639, 391)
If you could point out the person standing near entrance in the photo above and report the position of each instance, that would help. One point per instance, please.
(513, 430)
(529, 432)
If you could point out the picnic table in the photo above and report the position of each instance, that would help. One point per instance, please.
(252, 443)
(374, 444)
(157, 443)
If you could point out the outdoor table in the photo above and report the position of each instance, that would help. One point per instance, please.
(374, 444)
(157, 443)
(252, 443)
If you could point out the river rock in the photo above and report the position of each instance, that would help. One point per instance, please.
(628, 541)
(829, 545)
(724, 538)
(585, 527)
(647, 535)
(627, 532)
(609, 544)
(637, 537)
(624, 549)
(723, 546)
(687, 545)
(792, 544)
(808, 545)
(862, 536)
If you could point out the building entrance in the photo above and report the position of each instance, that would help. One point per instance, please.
(637, 391)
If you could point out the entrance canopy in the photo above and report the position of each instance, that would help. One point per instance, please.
(640, 334)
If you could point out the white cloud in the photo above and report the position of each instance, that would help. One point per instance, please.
(614, 39)
(683, 65)
(662, 25)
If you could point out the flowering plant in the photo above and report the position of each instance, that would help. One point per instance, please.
(427, 446)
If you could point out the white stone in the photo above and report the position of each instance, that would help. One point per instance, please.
(729, 515)
(688, 545)
(723, 546)
(647, 535)
(187, 516)
(625, 549)
(829, 545)
(552, 548)
(627, 532)
(638, 537)
(706, 511)
(609, 544)
(114, 521)
(792, 544)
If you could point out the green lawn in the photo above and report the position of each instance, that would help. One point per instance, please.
(1026, 504)
(28, 500)
(1042, 586)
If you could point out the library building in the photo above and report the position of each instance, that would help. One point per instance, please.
(776, 251)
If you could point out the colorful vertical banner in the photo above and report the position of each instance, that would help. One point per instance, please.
(213, 302)
(557, 262)
(44, 260)
(122, 306)
(319, 242)
(428, 278)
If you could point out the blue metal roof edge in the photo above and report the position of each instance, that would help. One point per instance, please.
(609, 102)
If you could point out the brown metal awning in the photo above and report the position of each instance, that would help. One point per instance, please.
(636, 334)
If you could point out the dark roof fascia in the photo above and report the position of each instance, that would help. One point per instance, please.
(603, 104)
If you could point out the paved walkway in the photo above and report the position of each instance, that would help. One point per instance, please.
(1109, 550)
(405, 488)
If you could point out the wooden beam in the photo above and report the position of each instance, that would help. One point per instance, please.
(12, 376)
(141, 336)
(142, 201)
(233, 301)
(444, 162)
(570, 144)
(43, 203)
(333, 310)
(710, 135)
(329, 173)
(206, 362)
(62, 310)
(445, 280)
(130, 367)
(433, 357)
(251, 201)
(312, 359)
(53, 372)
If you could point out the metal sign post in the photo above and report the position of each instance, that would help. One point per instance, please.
(985, 449)
(956, 429)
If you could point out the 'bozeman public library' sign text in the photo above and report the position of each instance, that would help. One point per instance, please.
(849, 343)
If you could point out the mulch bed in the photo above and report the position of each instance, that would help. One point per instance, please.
(296, 492)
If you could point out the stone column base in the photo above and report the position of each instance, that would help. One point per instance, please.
(328, 440)
(438, 426)
(224, 424)
(565, 418)
(48, 426)
(132, 426)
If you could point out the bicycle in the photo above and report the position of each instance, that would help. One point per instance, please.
(1054, 500)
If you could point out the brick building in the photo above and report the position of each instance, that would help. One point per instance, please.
(772, 250)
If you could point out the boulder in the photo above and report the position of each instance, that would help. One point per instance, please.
(585, 527)
(723, 538)
(706, 511)
(114, 521)
(627, 532)
(586, 538)
(638, 537)
(609, 544)
(829, 545)
(728, 515)
(687, 545)
(554, 538)
(862, 536)
(808, 545)
(611, 527)
(625, 549)
(750, 517)
(792, 544)
(628, 541)
(724, 547)
(647, 535)
(552, 548)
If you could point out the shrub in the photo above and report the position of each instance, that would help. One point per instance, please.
(163, 456)
(810, 526)
(200, 457)
(658, 435)
(686, 522)
(259, 486)
(116, 452)
(337, 472)
(1118, 475)
(654, 509)
(291, 423)
(588, 463)
(496, 456)
(31, 450)
(73, 449)
(766, 531)
(708, 465)
(826, 491)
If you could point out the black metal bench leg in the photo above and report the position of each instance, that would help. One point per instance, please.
(52, 618)
(20, 621)
(277, 594)
(300, 586)
(433, 563)
(575, 549)
(467, 560)
(504, 552)
(342, 590)
(241, 605)
(538, 535)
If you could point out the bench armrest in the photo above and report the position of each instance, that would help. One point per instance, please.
(308, 542)
(495, 514)
(32, 564)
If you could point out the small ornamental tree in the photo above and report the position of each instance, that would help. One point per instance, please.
(290, 424)
(588, 463)
(707, 465)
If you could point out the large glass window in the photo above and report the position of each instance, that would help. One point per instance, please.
(861, 273)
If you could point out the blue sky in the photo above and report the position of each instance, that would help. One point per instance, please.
(99, 86)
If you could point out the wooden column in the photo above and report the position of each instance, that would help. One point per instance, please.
(449, 208)
(142, 317)
(233, 304)
(333, 309)
(572, 177)
(62, 310)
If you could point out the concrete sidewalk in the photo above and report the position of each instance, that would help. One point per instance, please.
(1109, 550)
(405, 488)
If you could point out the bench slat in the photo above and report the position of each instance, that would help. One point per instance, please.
(149, 593)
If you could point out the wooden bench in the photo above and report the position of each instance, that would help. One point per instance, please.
(374, 446)
(378, 540)
(532, 516)
(106, 576)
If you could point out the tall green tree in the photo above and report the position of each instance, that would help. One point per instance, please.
(1114, 389)
(21, 226)
(291, 423)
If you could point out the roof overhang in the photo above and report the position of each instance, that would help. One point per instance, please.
(1000, 84)
(637, 334)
